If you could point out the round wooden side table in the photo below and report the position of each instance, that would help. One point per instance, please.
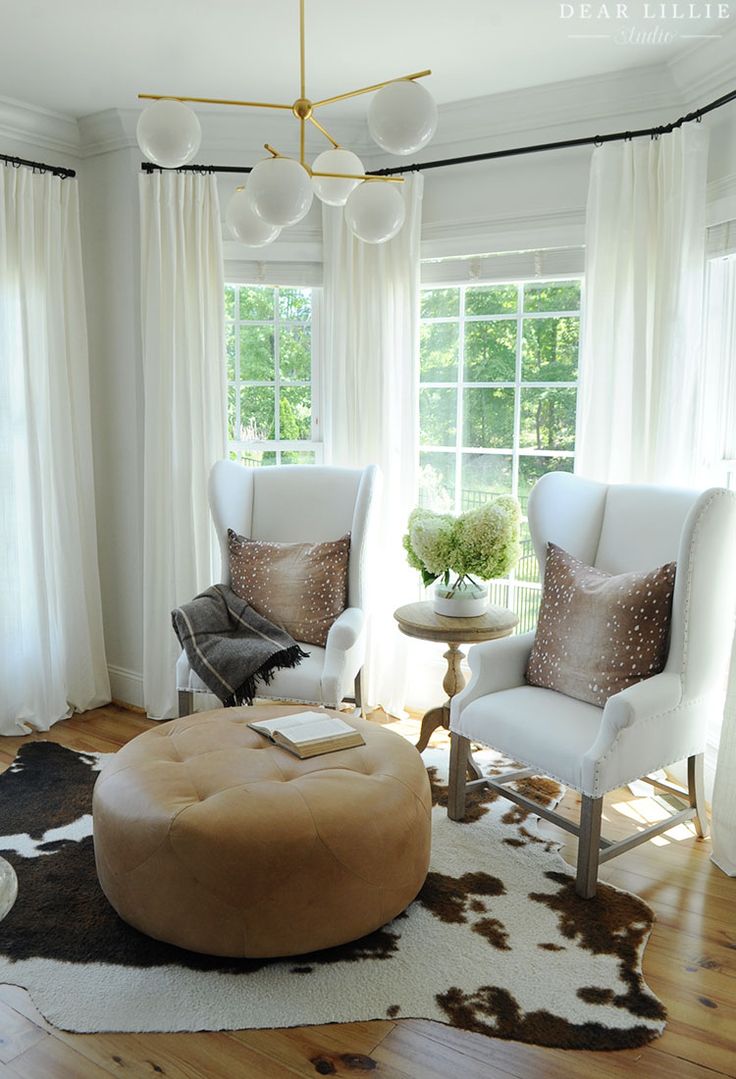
(419, 620)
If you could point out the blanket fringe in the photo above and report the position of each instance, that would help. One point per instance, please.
(246, 692)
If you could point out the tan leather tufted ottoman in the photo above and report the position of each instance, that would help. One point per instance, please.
(210, 837)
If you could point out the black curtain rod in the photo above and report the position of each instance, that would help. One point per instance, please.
(589, 140)
(38, 166)
(516, 151)
(148, 166)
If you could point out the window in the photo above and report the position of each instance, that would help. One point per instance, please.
(497, 401)
(271, 388)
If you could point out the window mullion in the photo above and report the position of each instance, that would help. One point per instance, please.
(517, 419)
(460, 405)
(236, 363)
(277, 372)
(517, 390)
(315, 334)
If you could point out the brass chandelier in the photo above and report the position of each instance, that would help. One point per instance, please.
(402, 118)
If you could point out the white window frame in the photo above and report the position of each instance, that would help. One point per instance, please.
(505, 591)
(241, 449)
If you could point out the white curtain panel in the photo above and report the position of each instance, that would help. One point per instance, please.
(656, 392)
(717, 420)
(52, 656)
(723, 821)
(718, 445)
(370, 409)
(641, 349)
(182, 308)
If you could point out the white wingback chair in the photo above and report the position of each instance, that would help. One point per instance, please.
(298, 504)
(619, 529)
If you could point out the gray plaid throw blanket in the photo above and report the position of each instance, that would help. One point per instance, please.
(230, 646)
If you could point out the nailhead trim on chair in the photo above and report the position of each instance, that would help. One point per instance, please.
(685, 643)
(612, 747)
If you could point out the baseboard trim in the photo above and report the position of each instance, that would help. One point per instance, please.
(126, 687)
(129, 707)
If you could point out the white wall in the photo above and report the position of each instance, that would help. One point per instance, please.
(524, 202)
(109, 197)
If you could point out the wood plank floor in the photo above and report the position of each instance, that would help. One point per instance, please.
(690, 964)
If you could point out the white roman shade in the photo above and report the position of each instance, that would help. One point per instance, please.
(508, 266)
(287, 274)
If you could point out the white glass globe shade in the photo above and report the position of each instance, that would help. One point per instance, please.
(169, 133)
(375, 212)
(244, 224)
(335, 192)
(402, 117)
(280, 191)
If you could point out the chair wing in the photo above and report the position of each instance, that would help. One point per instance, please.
(230, 491)
(568, 511)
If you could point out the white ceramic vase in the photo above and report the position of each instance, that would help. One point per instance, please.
(463, 600)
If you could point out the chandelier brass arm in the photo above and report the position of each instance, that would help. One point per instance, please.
(336, 175)
(216, 101)
(370, 89)
(287, 108)
(357, 176)
(326, 133)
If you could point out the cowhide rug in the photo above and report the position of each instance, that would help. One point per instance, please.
(496, 942)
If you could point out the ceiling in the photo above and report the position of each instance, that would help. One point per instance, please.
(78, 57)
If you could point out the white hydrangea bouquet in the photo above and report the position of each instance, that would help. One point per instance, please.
(475, 547)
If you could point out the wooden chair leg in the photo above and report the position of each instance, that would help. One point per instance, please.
(186, 702)
(696, 794)
(459, 751)
(589, 847)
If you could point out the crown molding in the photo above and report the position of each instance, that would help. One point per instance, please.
(598, 101)
(707, 70)
(229, 136)
(236, 136)
(40, 128)
(104, 132)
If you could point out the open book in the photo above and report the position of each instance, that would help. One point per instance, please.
(307, 734)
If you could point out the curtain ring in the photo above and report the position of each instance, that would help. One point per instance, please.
(597, 141)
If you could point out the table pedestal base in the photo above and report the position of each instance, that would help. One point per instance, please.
(452, 683)
(431, 720)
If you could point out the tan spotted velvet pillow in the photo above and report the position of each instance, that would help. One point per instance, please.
(302, 587)
(598, 634)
